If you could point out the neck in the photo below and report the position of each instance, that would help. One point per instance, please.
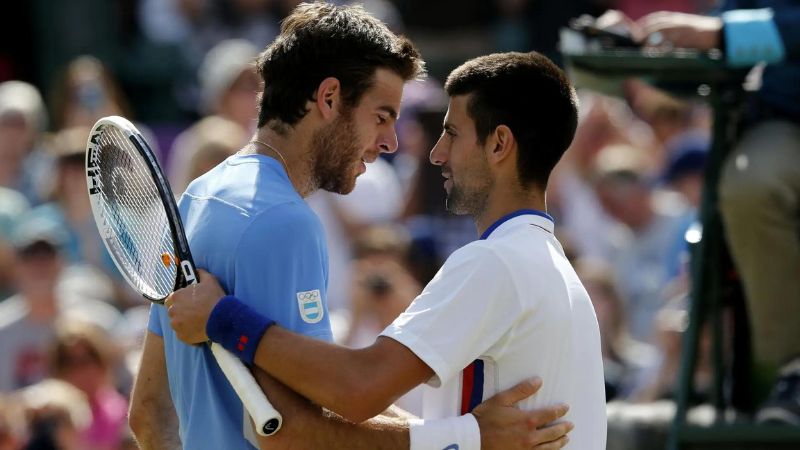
(292, 151)
(503, 201)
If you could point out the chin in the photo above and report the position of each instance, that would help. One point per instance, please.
(346, 186)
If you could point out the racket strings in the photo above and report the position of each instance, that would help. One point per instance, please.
(140, 235)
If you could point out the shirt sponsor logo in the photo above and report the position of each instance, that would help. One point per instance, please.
(310, 303)
(451, 447)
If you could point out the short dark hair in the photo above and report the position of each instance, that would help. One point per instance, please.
(529, 94)
(320, 40)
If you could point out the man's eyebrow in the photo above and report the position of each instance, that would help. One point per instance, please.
(389, 110)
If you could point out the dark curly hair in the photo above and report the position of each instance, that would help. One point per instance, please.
(318, 41)
(530, 95)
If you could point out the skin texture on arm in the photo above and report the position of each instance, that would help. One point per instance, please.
(308, 427)
(152, 415)
(358, 384)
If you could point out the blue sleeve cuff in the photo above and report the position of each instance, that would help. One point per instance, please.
(751, 37)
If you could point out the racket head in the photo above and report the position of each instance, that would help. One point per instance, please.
(135, 211)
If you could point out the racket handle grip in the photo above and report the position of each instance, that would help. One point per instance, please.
(267, 419)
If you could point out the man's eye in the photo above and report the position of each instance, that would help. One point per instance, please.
(382, 119)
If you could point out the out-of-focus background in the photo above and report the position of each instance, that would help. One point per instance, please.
(623, 196)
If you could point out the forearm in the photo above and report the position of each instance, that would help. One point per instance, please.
(152, 415)
(307, 426)
(336, 377)
(160, 433)
(357, 384)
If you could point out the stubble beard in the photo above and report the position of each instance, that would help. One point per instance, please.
(470, 198)
(336, 154)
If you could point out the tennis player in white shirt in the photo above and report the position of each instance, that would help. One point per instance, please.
(501, 309)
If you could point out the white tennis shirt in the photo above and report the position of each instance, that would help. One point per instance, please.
(503, 309)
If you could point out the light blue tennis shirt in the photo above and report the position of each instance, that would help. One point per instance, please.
(248, 226)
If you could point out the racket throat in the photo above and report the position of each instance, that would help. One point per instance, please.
(189, 275)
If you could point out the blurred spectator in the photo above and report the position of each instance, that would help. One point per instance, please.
(23, 165)
(69, 205)
(201, 147)
(659, 380)
(87, 91)
(648, 226)
(84, 93)
(27, 318)
(26, 324)
(685, 168)
(229, 84)
(84, 356)
(666, 115)
(759, 193)
(12, 206)
(382, 287)
(57, 413)
(195, 27)
(603, 121)
(69, 208)
(376, 199)
(216, 140)
(624, 358)
(418, 126)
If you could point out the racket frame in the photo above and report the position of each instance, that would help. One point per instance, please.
(187, 273)
(268, 419)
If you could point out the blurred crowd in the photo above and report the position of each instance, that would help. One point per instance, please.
(624, 197)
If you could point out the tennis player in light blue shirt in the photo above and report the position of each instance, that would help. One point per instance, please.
(245, 223)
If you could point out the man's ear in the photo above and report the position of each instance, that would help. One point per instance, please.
(501, 144)
(328, 97)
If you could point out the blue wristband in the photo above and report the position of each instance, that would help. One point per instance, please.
(237, 327)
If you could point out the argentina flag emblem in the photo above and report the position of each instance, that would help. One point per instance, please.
(310, 303)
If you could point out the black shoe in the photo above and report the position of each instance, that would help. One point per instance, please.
(783, 404)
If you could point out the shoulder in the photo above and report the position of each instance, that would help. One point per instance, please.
(478, 259)
(287, 217)
(478, 253)
(286, 227)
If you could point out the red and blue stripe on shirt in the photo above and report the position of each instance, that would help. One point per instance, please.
(472, 378)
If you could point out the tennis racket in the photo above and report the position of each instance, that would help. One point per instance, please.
(140, 226)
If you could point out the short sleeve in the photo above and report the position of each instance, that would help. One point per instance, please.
(280, 269)
(467, 308)
(154, 323)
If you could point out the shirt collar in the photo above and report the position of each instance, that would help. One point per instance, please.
(532, 216)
